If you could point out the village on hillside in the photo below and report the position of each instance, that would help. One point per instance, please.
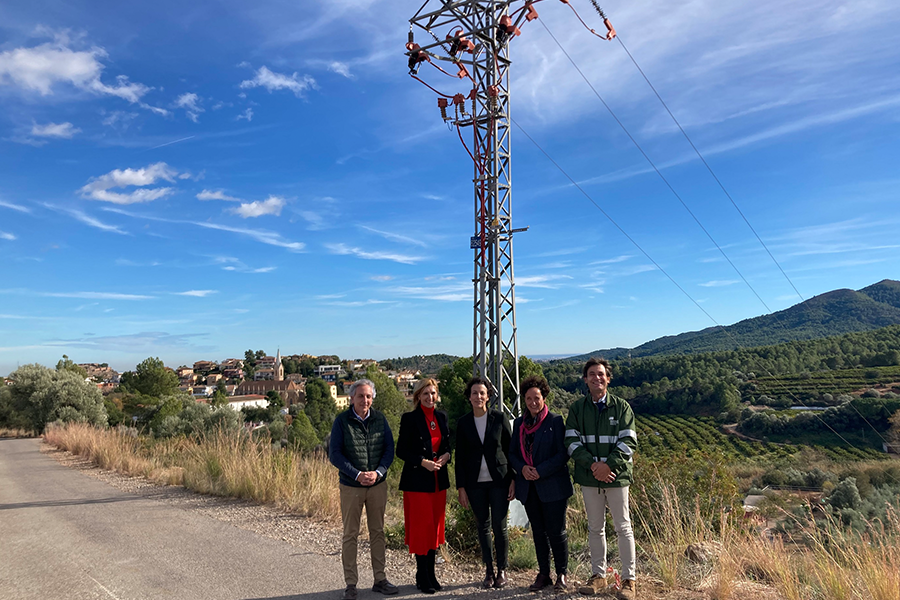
(248, 382)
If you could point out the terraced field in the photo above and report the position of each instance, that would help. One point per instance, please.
(661, 434)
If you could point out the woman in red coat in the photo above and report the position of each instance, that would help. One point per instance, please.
(424, 447)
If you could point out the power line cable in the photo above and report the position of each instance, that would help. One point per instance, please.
(655, 168)
(709, 168)
(664, 272)
(684, 204)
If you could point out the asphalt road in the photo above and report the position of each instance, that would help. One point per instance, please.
(64, 536)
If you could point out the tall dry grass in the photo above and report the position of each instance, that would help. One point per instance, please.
(221, 464)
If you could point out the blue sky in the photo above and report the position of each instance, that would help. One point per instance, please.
(189, 180)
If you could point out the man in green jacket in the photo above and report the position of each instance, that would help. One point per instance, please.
(362, 449)
(601, 438)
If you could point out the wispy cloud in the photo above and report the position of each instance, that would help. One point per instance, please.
(265, 237)
(271, 206)
(179, 140)
(95, 295)
(541, 281)
(277, 81)
(99, 188)
(86, 219)
(197, 293)
(12, 206)
(358, 303)
(216, 195)
(610, 261)
(344, 249)
(7, 236)
(381, 277)
(246, 115)
(720, 283)
(394, 237)
(55, 130)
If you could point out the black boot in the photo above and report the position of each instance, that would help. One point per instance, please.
(431, 576)
(423, 580)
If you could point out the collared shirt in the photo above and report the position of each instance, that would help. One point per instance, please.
(601, 404)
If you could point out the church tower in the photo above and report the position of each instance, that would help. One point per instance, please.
(279, 368)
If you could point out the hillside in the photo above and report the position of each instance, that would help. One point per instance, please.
(832, 313)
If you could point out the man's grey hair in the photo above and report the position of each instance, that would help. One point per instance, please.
(360, 382)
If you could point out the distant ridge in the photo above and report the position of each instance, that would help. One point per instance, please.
(832, 313)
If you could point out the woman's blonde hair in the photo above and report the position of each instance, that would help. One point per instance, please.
(421, 385)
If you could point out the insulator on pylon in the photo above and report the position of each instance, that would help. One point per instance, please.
(411, 38)
(463, 72)
(415, 56)
(493, 92)
(458, 42)
(442, 104)
(506, 29)
(532, 14)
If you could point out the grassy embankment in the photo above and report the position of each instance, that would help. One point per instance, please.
(816, 563)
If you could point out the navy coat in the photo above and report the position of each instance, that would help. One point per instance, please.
(550, 460)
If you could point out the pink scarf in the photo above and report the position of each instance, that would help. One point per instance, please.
(525, 430)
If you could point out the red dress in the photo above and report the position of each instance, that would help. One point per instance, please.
(424, 512)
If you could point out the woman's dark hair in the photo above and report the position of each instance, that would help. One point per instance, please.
(535, 381)
(476, 381)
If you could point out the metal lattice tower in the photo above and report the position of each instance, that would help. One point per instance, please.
(473, 35)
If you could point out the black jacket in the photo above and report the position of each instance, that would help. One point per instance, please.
(414, 444)
(550, 459)
(495, 449)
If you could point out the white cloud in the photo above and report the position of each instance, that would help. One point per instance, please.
(6, 236)
(197, 293)
(190, 102)
(17, 207)
(457, 292)
(343, 249)
(247, 114)
(40, 68)
(720, 283)
(278, 81)
(341, 68)
(216, 195)
(381, 277)
(57, 130)
(270, 206)
(99, 187)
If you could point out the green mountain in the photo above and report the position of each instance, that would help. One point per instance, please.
(832, 313)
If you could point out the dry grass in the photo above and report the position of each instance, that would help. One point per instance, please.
(829, 563)
(221, 464)
(16, 432)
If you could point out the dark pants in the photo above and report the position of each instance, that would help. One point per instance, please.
(490, 505)
(548, 527)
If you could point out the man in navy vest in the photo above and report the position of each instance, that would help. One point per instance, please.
(362, 448)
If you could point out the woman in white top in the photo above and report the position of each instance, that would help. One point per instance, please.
(483, 477)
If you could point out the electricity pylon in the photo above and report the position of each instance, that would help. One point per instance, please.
(473, 35)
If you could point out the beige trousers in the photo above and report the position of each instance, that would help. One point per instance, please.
(595, 502)
(353, 499)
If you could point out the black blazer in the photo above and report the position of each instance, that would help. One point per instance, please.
(414, 444)
(550, 459)
(495, 449)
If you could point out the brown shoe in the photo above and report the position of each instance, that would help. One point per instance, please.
(594, 585)
(628, 591)
(500, 580)
(540, 583)
(561, 585)
(349, 593)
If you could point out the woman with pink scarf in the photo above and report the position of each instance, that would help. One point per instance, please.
(539, 458)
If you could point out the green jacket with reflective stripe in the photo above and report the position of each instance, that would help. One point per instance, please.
(608, 436)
